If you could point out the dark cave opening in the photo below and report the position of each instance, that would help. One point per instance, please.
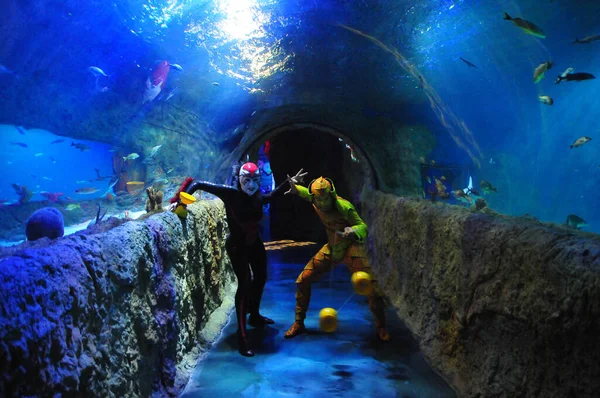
(319, 154)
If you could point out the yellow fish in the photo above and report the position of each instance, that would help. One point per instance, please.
(131, 156)
(528, 27)
(540, 72)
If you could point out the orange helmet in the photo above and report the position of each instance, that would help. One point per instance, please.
(321, 186)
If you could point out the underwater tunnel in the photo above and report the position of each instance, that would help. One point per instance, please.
(461, 132)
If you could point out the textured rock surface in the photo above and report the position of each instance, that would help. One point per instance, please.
(501, 306)
(115, 314)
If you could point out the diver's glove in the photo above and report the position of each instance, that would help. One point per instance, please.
(348, 233)
(297, 179)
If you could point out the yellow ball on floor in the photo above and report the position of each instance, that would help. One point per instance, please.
(362, 283)
(328, 320)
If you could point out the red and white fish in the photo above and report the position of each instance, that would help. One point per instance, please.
(157, 79)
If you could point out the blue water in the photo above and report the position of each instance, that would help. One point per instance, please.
(45, 167)
(242, 56)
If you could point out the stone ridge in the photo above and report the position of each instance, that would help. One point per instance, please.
(122, 313)
(501, 306)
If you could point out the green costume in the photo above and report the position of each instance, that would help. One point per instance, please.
(339, 249)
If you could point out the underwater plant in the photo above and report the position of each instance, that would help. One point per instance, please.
(24, 193)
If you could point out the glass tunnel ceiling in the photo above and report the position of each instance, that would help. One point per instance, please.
(377, 58)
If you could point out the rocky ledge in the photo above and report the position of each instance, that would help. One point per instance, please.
(126, 312)
(501, 306)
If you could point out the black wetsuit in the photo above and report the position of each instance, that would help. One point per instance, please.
(244, 247)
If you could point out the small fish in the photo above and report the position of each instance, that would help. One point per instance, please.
(487, 187)
(86, 191)
(577, 77)
(462, 196)
(153, 151)
(443, 178)
(540, 72)
(73, 206)
(46, 178)
(171, 94)
(170, 170)
(215, 83)
(80, 146)
(97, 71)
(57, 141)
(544, 99)
(528, 27)
(52, 159)
(587, 40)
(113, 150)
(580, 141)
(131, 156)
(177, 67)
(575, 221)
(492, 161)
(82, 181)
(20, 129)
(428, 180)
(471, 65)
(21, 144)
(37, 155)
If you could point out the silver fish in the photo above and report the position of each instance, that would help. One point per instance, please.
(177, 67)
(96, 71)
(587, 40)
(580, 141)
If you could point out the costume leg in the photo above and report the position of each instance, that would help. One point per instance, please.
(239, 261)
(376, 303)
(316, 267)
(258, 264)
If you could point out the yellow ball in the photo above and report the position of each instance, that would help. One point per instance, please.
(362, 283)
(328, 320)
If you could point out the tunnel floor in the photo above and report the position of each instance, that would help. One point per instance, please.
(351, 362)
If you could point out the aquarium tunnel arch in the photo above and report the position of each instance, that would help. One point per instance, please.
(258, 139)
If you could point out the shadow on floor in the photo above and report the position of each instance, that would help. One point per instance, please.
(351, 362)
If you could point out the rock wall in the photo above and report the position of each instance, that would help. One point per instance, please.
(501, 306)
(124, 313)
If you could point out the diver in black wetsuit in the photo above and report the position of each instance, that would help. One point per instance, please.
(244, 208)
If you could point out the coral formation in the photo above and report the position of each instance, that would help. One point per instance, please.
(45, 222)
(480, 203)
(24, 193)
(154, 201)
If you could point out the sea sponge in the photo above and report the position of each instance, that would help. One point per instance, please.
(45, 222)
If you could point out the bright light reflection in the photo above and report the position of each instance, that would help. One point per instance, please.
(241, 21)
(162, 15)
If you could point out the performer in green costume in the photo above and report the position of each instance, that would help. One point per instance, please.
(346, 233)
